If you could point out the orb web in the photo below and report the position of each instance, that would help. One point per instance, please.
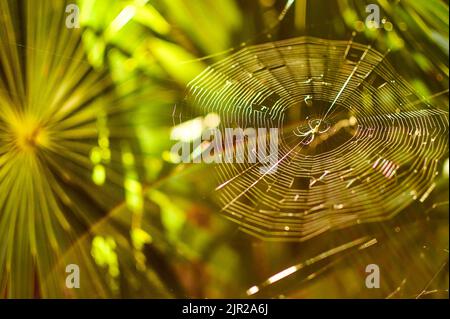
(357, 144)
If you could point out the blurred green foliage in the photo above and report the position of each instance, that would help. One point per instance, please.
(165, 236)
(157, 47)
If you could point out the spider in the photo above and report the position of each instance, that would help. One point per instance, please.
(308, 132)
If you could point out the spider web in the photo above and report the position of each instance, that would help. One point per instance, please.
(377, 148)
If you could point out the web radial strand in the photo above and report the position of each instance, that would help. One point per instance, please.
(374, 144)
